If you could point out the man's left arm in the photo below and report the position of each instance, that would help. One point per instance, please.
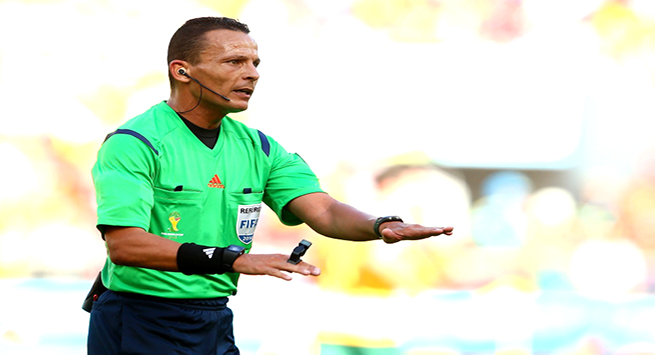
(338, 220)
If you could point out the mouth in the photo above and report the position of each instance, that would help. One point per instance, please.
(245, 91)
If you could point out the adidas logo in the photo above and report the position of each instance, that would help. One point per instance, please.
(209, 252)
(216, 183)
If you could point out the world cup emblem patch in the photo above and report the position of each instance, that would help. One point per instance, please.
(174, 218)
(248, 216)
(173, 231)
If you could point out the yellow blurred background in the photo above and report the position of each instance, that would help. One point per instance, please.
(525, 124)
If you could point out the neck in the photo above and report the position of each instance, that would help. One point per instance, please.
(201, 116)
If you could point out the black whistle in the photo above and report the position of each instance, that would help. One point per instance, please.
(299, 251)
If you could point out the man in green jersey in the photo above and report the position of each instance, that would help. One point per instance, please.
(180, 190)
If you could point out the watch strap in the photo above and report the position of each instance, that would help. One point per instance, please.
(230, 254)
(380, 220)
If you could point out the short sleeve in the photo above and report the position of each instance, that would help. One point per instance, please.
(290, 177)
(123, 180)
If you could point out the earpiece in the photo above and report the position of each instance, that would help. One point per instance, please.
(182, 71)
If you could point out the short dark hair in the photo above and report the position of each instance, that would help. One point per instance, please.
(188, 41)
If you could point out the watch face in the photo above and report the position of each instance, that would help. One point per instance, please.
(232, 252)
(235, 248)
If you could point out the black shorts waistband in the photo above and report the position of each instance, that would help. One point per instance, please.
(218, 302)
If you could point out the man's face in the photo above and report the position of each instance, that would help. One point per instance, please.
(228, 65)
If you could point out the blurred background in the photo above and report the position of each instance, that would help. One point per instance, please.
(525, 124)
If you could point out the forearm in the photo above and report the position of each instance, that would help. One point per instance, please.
(136, 247)
(347, 223)
(132, 246)
(332, 218)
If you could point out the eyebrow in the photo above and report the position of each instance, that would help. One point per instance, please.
(240, 57)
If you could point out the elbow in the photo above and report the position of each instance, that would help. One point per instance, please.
(119, 256)
(120, 246)
(120, 252)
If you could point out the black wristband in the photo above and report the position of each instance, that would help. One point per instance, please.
(195, 259)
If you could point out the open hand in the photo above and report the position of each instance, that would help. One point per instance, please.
(273, 265)
(393, 232)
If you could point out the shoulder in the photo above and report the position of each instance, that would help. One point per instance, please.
(150, 127)
(239, 130)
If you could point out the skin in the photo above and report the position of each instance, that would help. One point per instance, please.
(228, 65)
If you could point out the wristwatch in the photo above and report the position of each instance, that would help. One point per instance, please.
(380, 220)
(230, 254)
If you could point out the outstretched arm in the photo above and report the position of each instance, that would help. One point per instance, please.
(335, 219)
(135, 247)
(327, 216)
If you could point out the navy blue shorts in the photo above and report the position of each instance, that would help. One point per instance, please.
(124, 323)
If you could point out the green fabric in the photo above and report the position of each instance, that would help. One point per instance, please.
(135, 187)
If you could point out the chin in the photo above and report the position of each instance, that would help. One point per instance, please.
(239, 108)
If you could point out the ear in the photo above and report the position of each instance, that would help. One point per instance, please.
(174, 70)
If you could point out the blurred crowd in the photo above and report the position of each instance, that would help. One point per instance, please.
(599, 240)
(596, 240)
(545, 235)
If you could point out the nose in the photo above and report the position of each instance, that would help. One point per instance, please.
(251, 72)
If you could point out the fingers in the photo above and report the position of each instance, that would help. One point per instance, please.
(404, 231)
(280, 275)
(302, 268)
(306, 269)
(433, 232)
(274, 265)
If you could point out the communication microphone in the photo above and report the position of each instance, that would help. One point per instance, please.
(181, 71)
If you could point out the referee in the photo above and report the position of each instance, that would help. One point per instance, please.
(179, 191)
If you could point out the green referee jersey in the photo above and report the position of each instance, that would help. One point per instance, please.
(165, 180)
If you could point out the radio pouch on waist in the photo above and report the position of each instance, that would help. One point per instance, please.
(96, 290)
